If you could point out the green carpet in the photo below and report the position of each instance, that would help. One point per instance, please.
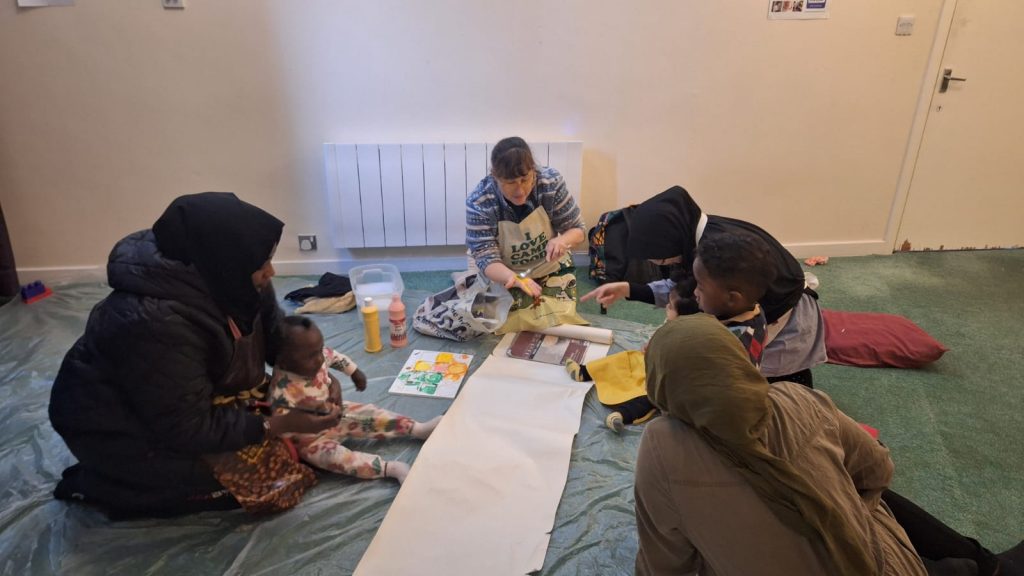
(954, 428)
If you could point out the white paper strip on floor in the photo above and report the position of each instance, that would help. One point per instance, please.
(482, 495)
(599, 335)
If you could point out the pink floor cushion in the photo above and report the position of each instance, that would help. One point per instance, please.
(872, 431)
(872, 339)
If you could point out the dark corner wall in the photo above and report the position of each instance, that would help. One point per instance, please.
(8, 273)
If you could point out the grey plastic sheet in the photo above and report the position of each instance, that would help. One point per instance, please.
(594, 531)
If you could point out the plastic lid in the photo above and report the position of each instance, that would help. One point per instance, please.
(367, 301)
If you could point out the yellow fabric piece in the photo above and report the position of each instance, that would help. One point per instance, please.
(557, 305)
(619, 377)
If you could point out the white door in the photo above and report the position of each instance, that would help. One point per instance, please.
(967, 189)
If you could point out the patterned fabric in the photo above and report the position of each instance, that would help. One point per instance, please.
(262, 477)
(750, 328)
(324, 449)
(608, 240)
(366, 421)
(596, 237)
(486, 206)
(556, 305)
(288, 389)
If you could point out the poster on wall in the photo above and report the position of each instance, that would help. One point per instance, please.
(798, 9)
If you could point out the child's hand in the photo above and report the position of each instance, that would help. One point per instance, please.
(359, 379)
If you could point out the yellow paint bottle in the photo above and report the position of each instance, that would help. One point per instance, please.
(371, 325)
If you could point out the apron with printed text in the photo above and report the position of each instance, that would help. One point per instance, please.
(523, 246)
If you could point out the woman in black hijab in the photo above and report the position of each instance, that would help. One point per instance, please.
(191, 317)
(665, 229)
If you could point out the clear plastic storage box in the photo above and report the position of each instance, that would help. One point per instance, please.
(378, 281)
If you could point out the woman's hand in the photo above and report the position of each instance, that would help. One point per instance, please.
(525, 284)
(561, 245)
(557, 247)
(607, 294)
(299, 422)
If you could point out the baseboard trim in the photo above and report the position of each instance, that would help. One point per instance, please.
(55, 275)
(69, 274)
(876, 247)
(342, 266)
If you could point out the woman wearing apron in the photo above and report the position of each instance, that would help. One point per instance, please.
(521, 224)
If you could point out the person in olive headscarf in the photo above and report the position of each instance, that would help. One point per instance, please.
(190, 317)
(666, 229)
(741, 477)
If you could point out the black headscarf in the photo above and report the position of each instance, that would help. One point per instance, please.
(226, 240)
(664, 226)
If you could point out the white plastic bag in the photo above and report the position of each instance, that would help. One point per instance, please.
(485, 305)
(472, 307)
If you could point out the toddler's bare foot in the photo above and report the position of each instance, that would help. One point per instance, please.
(397, 470)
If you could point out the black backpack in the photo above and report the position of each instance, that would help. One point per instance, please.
(608, 261)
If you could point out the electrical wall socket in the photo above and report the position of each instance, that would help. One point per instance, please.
(905, 25)
(173, 4)
(307, 242)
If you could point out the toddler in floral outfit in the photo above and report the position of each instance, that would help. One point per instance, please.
(302, 381)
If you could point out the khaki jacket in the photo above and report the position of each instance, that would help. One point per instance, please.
(696, 514)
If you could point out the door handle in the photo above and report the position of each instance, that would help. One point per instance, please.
(947, 77)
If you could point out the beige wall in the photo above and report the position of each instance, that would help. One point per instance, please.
(109, 109)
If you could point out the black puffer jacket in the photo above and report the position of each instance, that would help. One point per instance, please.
(133, 398)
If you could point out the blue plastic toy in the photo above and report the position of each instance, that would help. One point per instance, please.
(34, 291)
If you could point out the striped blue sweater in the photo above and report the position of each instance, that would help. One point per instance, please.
(486, 206)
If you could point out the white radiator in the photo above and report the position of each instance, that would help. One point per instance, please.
(387, 195)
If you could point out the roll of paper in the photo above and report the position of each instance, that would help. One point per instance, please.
(589, 333)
